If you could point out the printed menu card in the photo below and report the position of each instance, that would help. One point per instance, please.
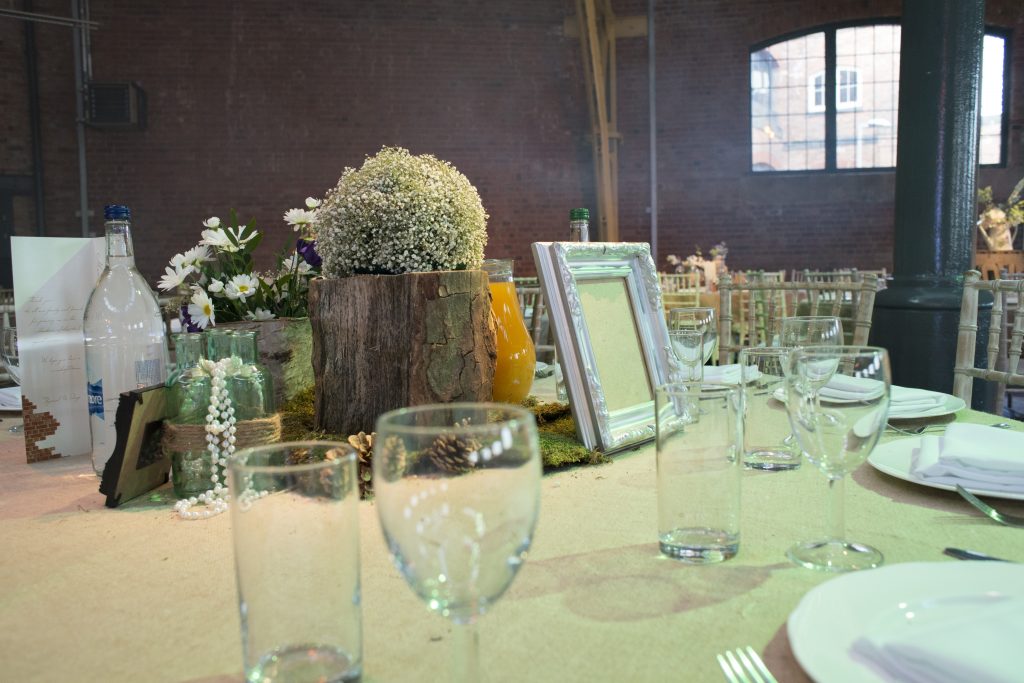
(53, 278)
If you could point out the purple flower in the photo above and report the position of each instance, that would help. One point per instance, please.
(186, 320)
(307, 250)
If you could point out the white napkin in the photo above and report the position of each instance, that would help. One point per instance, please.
(974, 456)
(10, 398)
(977, 645)
(908, 401)
(846, 388)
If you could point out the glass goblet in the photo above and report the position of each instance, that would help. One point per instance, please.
(686, 362)
(458, 491)
(702, 319)
(837, 398)
(811, 330)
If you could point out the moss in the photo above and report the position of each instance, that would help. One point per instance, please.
(559, 446)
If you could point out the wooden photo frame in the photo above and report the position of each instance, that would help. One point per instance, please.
(604, 304)
(138, 463)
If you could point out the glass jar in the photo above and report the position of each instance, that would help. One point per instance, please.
(185, 433)
(516, 362)
(250, 388)
(218, 344)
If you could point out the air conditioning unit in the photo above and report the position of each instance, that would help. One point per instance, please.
(115, 105)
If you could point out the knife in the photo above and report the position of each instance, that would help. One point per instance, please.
(961, 554)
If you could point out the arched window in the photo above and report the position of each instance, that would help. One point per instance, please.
(790, 121)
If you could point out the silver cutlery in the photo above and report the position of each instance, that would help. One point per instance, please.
(961, 554)
(744, 665)
(915, 431)
(1002, 517)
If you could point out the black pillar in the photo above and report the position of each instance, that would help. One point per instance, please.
(940, 72)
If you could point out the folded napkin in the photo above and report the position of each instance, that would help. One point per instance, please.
(977, 644)
(10, 398)
(974, 456)
(729, 374)
(908, 401)
(846, 388)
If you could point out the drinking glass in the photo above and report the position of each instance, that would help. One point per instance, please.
(768, 443)
(295, 523)
(458, 491)
(687, 358)
(698, 461)
(702, 319)
(808, 330)
(837, 434)
(9, 357)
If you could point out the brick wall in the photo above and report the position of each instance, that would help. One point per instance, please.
(255, 105)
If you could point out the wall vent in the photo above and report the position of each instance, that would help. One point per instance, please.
(116, 105)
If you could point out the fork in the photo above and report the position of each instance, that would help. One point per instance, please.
(914, 431)
(1002, 517)
(744, 665)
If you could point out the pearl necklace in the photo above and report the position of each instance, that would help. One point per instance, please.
(220, 440)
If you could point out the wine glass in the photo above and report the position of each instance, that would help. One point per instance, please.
(702, 319)
(837, 435)
(687, 358)
(458, 492)
(807, 330)
(9, 357)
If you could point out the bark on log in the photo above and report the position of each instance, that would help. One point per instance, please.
(382, 342)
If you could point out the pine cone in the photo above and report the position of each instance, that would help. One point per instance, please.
(451, 453)
(363, 444)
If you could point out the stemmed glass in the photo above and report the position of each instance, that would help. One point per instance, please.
(837, 435)
(9, 357)
(702, 319)
(458, 492)
(810, 330)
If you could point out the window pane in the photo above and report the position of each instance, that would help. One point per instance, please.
(990, 149)
(785, 133)
(867, 96)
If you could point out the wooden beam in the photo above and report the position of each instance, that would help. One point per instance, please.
(625, 27)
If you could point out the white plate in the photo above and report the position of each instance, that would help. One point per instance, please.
(950, 405)
(836, 613)
(780, 395)
(893, 458)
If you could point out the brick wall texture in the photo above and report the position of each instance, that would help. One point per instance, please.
(255, 104)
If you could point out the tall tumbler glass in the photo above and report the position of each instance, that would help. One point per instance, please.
(768, 442)
(698, 459)
(295, 516)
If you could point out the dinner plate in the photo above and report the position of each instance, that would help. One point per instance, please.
(950, 405)
(893, 458)
(780, 395)
(833, 615)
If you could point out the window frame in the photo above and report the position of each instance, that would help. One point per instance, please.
(829, 30)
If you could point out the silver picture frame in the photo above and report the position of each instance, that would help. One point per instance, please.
(605, 308)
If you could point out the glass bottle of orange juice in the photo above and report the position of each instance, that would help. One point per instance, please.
(513, 371)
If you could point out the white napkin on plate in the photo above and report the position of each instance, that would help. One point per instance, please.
(906, 400)
(979, 646)
(729, 374)
(974, 456)
(846, 388)
(10, 398)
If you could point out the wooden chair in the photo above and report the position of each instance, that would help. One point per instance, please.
(852, 302)
(679, 290)
(1003, 350)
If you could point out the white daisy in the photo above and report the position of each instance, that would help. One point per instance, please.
(174, 277)
(201, 309)
(216, 286)
(259, 315)
(313, 203)
(299, 218)
(211, 222)
(241, 287)
(288, 266)
(196, 256)
(218, 239)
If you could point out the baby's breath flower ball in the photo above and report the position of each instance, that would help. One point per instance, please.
(401, 213)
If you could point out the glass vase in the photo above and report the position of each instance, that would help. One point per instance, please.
(185, 435)
(516, 362)
(250, 388)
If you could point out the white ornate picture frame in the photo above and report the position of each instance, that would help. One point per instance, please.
(605, 308)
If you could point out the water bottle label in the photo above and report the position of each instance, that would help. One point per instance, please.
(94, 393)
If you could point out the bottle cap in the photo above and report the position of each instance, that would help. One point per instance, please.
(113, 212)
(579, 214)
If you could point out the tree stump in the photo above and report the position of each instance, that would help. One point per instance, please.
(382, 342)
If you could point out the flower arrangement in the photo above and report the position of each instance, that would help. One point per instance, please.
(401, 213)
(998, 222)
(697, 261)
(217, 280)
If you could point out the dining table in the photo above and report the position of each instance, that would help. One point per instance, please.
(135, 593)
